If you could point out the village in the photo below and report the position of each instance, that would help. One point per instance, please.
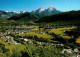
(15, 30)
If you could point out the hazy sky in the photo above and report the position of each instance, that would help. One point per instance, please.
(29, 5)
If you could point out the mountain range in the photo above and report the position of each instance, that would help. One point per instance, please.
(28, 15)
(7, 14)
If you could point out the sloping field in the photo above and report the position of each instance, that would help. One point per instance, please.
(60, 31)
(11, 47)
(78, 40)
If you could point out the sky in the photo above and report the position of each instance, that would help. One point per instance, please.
(30, 5)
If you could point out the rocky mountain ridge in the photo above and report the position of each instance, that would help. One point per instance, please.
(50, 10)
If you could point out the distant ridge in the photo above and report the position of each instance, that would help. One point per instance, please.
(8, 14)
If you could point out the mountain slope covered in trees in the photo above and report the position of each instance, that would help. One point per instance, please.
(64, 16)
(24, 17)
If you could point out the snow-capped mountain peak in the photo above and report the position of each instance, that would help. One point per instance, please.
(6, 11)
(23, 11)
(40, 10)
(52, 8)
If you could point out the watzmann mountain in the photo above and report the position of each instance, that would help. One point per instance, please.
(50, 10)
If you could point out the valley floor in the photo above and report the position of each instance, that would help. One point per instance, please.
(27, 39)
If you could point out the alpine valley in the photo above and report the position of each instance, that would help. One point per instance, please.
(40, 33)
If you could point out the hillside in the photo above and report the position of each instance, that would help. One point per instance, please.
(71, 16)
(24, 17)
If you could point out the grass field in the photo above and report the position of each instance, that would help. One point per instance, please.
(11, 47)
(36, 34)
(78, 40)
(60, 31)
